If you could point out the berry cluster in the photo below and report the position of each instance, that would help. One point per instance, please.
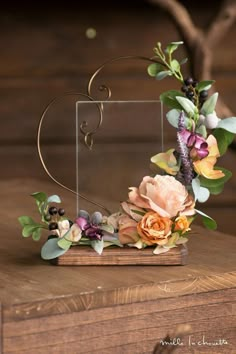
(190, 91)
(54, 215)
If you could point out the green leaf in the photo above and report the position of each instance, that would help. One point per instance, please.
(169, 99)
(54, 199)
(40, 197)
(51, 250)
(172, 47)
(28, 230)
(207, 220)
(209, 105)
(204, 85)
(162, 74)
(37, 234)
(97, 246)
(154, 68)
(187, 105)
(64, 243)
(175, 65)
(25, 220)
(228, 124)
(224, 139)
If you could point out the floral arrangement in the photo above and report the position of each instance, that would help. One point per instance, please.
(158, 212)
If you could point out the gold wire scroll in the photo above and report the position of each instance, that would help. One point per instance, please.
(88, 135)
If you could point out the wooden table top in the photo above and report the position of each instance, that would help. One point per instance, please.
(27, 279)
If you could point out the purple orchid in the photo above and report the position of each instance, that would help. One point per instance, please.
(90, 226)
(196, 142)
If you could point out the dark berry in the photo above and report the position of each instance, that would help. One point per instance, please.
(195, 82)
(53, 226)
(184, 88)
(52, 210)
(52, 236)
(190, 94)
(203, 93)
(61, 212)
(188, 81)
(47, 217)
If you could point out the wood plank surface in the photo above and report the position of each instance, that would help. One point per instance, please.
(129, 309)
(80, 256)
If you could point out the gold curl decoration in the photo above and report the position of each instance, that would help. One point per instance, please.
(88, 135)
(88, 142)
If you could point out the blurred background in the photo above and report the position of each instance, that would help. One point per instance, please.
(48, 48)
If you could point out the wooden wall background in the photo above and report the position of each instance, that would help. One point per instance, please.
(45, 52)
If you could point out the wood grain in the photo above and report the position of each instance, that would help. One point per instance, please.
(122, 256)
(110, 309)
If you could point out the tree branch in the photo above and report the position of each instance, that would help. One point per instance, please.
(222, 23)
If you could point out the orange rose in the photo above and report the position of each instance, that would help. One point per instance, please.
(182, 224)
(154, 229)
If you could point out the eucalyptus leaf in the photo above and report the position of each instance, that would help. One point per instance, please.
(201, 193)
(107, 228)
(187, 105)
(160, 249)
(154, 68)
(51, 250)
(54, 199)
(224, 139)
(210, 104)
(169, 99)
(162, 74)
(173, 118)
(97, 246)
(207, 220)
(228, 124)
(64, 243)
(204, 85)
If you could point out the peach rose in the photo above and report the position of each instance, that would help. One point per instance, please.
(127, 230)
(182, 224)
(162, 194)
(154, 229)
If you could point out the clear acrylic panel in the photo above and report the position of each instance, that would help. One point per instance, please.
(114, 143)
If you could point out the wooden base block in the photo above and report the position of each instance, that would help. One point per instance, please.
(84, 255)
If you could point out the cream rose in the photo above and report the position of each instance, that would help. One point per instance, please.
(162, 194)
(128, 233)
(154, 229)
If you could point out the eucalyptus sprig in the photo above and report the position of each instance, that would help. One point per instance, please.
(166, 65)
(31, 227)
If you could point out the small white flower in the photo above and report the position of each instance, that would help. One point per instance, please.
(211, 121)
